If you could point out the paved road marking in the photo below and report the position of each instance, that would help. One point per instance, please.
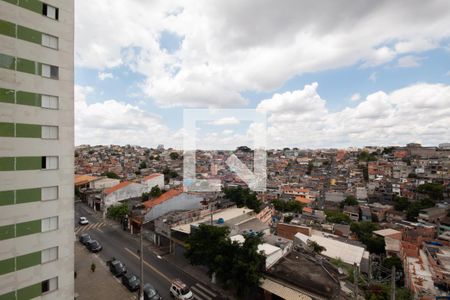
(198, 292)
(84, 228)
(206, 290)
(148, 265)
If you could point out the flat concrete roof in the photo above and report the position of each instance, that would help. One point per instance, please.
(226, 214)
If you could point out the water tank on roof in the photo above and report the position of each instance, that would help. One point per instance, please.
(220, 221)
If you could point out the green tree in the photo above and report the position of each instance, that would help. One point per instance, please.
(288, 206)
(237, 266)
(349, 201)
(243, 197)
(310, 168)
(337, 217)
(143, 165)
(316, 247)
(174, 155)
(401, 203)
(412, 212)
(145, 196)
(117, 212)
(434, 190)
(366, 156)
(111, 175)
(364, 232)
(155, 192)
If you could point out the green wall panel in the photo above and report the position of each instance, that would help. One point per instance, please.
(9, 296)
(6, 95)
(6, 232)
(26, 66)
(6, 163)
(28, 34)
(26, 98)
(6, 129)
(28, 130)
(28, 260)
(33, 5)
(7, 62)
(7, 266)
(30, 292)
(7, 28)
(6, 197)
(28, 163)
(28, 195)
(27, 228)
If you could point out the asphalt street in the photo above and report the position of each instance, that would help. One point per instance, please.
(124, 247)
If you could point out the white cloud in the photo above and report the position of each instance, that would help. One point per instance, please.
(373, 77)
(417, 112)
(224, 52)
(355, 97)
(105, 75)
(225, 121)
(409, 61)
(115, 122)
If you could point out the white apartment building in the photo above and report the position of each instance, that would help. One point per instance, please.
(36, 149)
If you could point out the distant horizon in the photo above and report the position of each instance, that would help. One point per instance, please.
(267, 149)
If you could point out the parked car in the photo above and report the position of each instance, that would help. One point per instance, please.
(93, 246)
(83, 238)
(179, 290)
(131, 282)
(150, 293)
(83, 221)
(116, 267)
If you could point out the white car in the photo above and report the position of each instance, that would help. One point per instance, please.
(83, 221)
(179, 290)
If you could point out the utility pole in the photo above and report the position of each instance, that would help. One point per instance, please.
(141, 254)
(355, 279)
(393, 283)
(369, 278)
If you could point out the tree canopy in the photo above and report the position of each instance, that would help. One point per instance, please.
(434, 190)
(243, 197)
(235, 265)
(111, 175)
(155, 192)
(117, 212)
(288, 206)
(174, 155)
(337, 217)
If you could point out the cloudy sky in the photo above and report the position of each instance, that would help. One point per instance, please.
(327, 73)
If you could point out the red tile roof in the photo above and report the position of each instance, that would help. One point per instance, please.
(117, 187)
(151, 176)
(164, 197)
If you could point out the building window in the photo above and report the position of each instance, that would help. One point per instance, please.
(49, 102)
(49, 285)
(49, 193)
(50, 11)
(49, 162)
(49, 41)
(49, 224)
(49, 255)
(50, 132)
(50, 71)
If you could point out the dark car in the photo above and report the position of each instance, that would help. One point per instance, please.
(116, 267)
(93, 246)
(150, 293)
(131, 282)
(83, 238)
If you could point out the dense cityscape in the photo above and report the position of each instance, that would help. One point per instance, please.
(221, 150)
(376, 212)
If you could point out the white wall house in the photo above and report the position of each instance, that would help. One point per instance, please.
(123, 191)
(155, 179)
(103, 183)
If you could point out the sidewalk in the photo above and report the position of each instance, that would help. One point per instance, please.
(87, 283)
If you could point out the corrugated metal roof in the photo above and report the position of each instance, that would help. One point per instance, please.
(283, 291)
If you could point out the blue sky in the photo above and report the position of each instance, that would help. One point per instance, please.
(210, 57)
